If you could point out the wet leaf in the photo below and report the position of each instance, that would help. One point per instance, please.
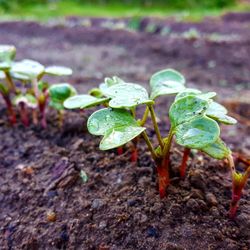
(26, 70)
(127, 95)
(166, 82)
(117, 125)
(105, 119)
(187, 108)
(197, 133)
(58, 71)
(108, 82)
(83, 101)
(217, 149)
(195, 92)
(118, 136)
(219, 113)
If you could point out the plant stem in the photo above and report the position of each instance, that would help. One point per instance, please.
(157, 131)
(34, 117)
(120, 150)
(150, 147)
(145, 116)
(239, 182)
(42, 101)
(60, 118)
(24, 114)
(10, 110)
(184, 162)
(163, 168)
(9, 81)
(134, 154)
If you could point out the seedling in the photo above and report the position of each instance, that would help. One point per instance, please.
(193, 116)
(24, 102)
(58, 94)
(7, 55)
(29, 73)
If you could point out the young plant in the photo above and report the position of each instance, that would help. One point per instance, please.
(24, 101)
(58, 94)
(31, 72)
(193, 116)
(7, 55)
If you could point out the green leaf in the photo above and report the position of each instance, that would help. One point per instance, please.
(166, 82)
(118, 136)
(96, 92)
(58, 71)
(60, 92)
(26, 70)
(127, 95)
(105, 119)
(197, 133)
(219, 113)
(83, 101)
(5, 66)
(7, 53)
(187, 92)
(28, 99)
(187, 108)
(217, 149)
(108, 82)
(195, 92)
(117, 125)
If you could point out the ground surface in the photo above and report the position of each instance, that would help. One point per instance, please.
(118, 207)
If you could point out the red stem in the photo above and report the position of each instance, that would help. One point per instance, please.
(184, 162)
(163, 175)
(42, 101)
(11, 112)
(134, 154)
(24, 114)
(120, 150)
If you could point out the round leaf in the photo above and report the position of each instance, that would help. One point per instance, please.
(103, 120)
(186, 108)
(26, 69)
(118, 136)
(60, 92)
(127, 95)
(217, 149)
(58, 71)
(195, 92)
(166, 82)
(83, 101)
(7, 53)
(197, 133)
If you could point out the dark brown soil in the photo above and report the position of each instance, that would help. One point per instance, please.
(44, 202)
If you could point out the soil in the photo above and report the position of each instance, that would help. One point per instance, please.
(46, 201)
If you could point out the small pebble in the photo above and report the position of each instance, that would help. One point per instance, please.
(51, 216)
(102, 224)
(97, 203)
(211, 199)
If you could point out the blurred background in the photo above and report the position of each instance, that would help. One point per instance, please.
(44, 9)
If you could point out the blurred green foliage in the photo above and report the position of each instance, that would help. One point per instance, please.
(172, 4)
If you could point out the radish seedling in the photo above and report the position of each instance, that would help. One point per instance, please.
(7, 55)
(58, 94)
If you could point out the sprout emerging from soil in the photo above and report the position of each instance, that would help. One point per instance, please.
(29, 73)
(194, 122)
(58, 94)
